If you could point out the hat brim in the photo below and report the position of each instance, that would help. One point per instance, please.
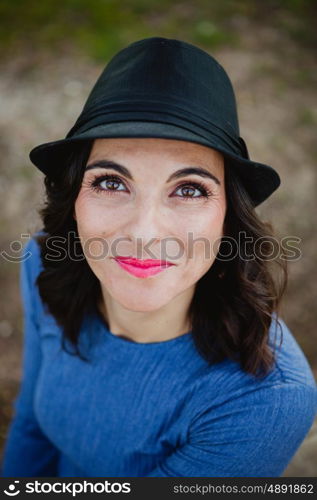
(260, 180)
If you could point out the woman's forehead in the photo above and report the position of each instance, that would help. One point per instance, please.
(158, 148)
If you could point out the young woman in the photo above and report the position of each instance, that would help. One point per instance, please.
(153, 340)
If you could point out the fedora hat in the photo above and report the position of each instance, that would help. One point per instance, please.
(164, 88)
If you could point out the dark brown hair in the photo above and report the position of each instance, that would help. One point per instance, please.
(234, 303)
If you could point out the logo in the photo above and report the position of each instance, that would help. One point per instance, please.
(13, 492)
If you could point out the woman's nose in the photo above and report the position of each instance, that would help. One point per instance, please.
(153, 232)
(146, 221)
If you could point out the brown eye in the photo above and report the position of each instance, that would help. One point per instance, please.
(188, 191)
(107, 184)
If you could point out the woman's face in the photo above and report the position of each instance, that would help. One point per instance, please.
(145, 210)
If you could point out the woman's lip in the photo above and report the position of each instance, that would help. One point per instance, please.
(144, 264)
(141, 272)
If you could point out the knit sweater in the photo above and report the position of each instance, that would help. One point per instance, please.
(149, 409)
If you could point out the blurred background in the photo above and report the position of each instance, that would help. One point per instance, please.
(52, 52)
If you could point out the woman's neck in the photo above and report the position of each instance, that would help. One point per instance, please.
(151, 326)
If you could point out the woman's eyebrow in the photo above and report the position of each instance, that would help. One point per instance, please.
(108, 164)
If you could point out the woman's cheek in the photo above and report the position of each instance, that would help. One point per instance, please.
(93, 218)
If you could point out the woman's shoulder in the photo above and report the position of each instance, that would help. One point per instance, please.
(30, 267)
(291, 364)
(226, 399)
(32, 254)
(290, 376)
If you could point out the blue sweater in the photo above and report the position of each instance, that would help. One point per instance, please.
(149, 409)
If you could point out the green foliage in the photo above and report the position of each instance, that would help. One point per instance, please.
(101, 27)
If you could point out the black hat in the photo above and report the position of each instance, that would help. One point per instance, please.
(165, 88)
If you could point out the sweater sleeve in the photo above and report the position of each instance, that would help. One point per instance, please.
(28, 452)
(255, 435)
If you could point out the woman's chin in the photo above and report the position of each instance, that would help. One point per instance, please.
(139, 302)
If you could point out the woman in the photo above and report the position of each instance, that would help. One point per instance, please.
(153, 342)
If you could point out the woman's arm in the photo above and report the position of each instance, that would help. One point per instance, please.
(28, 452)
(255, 435)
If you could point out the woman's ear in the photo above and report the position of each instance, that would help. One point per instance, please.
(74, 215)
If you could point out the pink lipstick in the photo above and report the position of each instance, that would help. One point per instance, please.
(142, 268)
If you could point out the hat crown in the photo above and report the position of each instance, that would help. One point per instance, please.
(164, 72)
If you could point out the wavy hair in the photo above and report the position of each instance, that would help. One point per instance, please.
(233, 305)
